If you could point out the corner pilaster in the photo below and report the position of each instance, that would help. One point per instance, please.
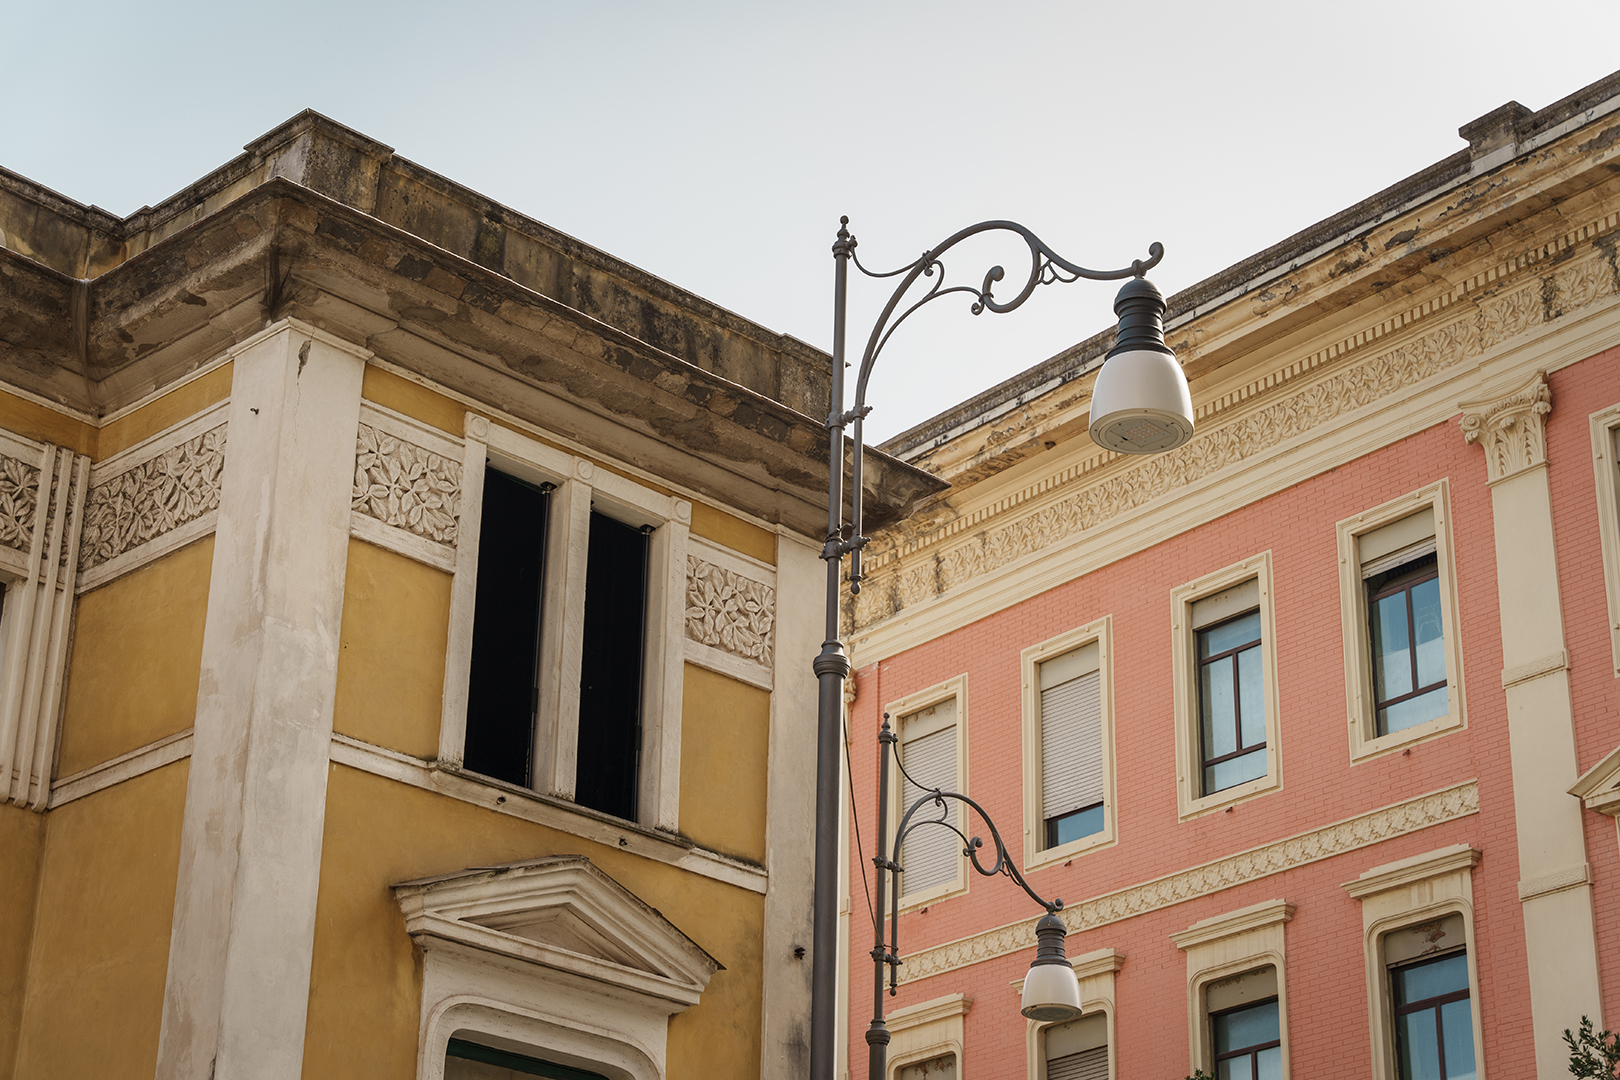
(237, 990)
(1554, 887)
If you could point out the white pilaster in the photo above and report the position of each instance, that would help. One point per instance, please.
(244, 917)
(1554, 885)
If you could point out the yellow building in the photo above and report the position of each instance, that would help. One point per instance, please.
(407, 622)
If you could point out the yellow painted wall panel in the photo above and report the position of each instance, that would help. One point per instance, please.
(725, 747)
(413, 399)
(164, 412)
(733, 532)
(101, 942)
(22, 417)
(22, 838)
(137, 656)
(366, 982)
(390, 676)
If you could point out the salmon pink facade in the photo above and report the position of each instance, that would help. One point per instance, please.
(1314, 722)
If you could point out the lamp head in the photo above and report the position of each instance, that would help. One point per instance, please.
(1140, 403)
(1051, 991)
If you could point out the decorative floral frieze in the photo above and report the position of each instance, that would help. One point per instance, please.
(904, 582)
(1274, 858)
(157, 496)
(1512, 430)
(403, 485)
(728, 611)
(19, 494)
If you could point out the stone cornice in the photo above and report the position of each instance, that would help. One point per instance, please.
(1404, 872)
(1215, 928)
(1351, 834)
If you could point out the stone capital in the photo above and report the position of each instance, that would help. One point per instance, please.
(1511, 429)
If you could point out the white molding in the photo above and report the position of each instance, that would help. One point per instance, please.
(150, 447)
(1184, 653)
(730, 665)
(1095, 970)
(418, 548)
(1605, 429)
(925, 1031)
(1568, 878)
(1035, 854)
(1365, 742)
(953, 688)
(128, 766)
(1535, 669)
(1217, 948)
(510, 799)
(1405, 872)
(742, 565)
(149, 552)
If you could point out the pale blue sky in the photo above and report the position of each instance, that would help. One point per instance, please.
(715, 144)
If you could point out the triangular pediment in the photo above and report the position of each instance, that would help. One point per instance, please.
(1599, 787)
(560, 913)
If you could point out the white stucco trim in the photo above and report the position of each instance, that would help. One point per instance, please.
(1095, 970)
(1605, 428)
(137, 762)
(1225, 945)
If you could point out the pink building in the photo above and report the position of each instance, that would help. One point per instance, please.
(1312, 722)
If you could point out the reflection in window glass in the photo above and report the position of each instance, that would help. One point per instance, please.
(1434, 1023)
(1408, 645)
(1248, 1042)
(1231, 703)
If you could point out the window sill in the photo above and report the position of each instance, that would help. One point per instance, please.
(1231, 796)
(1364, 749)
(1073, 849)
(554, 813)
(913, 901)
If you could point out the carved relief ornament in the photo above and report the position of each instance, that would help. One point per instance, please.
(729, 612)
(403, 485)
(152, 498)
(1512, 430)
(19, 492)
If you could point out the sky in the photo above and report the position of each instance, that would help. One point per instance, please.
(716, 144)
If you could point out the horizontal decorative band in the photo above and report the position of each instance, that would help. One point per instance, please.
(1212, 877)
(1558, 661)
(1568, 878)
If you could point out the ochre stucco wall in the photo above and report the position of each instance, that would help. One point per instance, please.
(22, 417)
(725, 743)
(733, 532)
(390, 676)
(137, 656)
(179, 404)
(101, 944)
(365, 985)
(22, 838)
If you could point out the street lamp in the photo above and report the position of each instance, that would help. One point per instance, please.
(1140, 405)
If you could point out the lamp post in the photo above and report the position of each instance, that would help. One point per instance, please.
(1140, 405)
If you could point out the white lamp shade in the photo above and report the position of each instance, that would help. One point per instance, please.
(1140, 403)
(1051, 993)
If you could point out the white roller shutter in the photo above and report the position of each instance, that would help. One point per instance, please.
(1071, 745)
(930, 854)
(1086, 1065)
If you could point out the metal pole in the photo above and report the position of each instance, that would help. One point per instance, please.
(831, 668)
(877, 1036)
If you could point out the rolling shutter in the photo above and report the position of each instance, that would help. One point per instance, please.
(930, 854)
(1071, 744)
(1086, 1065)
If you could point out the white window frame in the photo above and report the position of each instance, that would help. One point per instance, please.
(926, 1031)
(580, 486)
(1036, 855)
(1402, 894)
(1184, 655)
(1096, 971)
(898, 711)
(1235, 943)
(1365, 742)
(1605, 424)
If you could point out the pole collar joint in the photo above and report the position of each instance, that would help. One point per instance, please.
(831, 661)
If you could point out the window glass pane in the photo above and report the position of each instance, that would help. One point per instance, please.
(1423, 981)
(1229, 635)
(1457, 1030)
(606, 774)
(1217, 700)
(1252, 697)
(1419, 1046)
(1235, 771)
(1270, 1062)
(1242, 1028)
(1073, 826)
(1392, 665)
(1431, 644)
(1239, 1068)
(1414, 711)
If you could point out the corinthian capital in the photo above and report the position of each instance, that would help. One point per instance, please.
(1512, 430)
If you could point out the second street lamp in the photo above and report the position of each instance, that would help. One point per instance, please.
(1140, 405)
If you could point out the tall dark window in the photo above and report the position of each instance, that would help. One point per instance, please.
(503, 692)
(1231, 703)
(1434, 1022)
(610, 671)
(1408, 644)
(465, 1060)
(1248, 1042)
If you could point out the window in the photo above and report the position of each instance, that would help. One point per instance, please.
(939, 1068)
(1231, 688)
(1078, 1050)
(1068, 745)
(1434, 1024)
(930, 731)
(1399, 601)
(1226, 687)
(1237, 998)
(1417, 915)
(565, 666)
(1606, 463)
